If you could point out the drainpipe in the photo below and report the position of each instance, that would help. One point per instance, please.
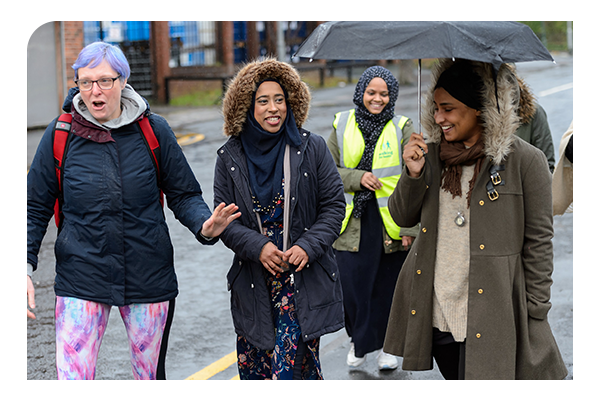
(281, 56)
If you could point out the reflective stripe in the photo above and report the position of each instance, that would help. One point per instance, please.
(343, 117)
(388, 171)
(348, 196)
(387, 161)
(382, 201)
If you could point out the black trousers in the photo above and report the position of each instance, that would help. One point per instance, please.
(368, 281)
(449, 355)
(160, 368)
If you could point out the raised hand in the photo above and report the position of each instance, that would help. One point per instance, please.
(218, 221)
(414, 155)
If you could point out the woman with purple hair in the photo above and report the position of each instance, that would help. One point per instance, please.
(113, 246)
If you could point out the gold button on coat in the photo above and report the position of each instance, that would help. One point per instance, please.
(481, 246)
(480, 291)
(413, 312)
(478, 335)
(418, 272)
(424, 230)
(481, 202)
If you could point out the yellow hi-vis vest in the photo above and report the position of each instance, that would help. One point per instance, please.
(387, 162)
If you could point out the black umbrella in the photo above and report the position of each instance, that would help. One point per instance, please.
(488, 41)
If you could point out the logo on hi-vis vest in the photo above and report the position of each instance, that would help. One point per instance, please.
(385, 151)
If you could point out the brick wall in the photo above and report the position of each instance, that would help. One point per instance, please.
(73, 39)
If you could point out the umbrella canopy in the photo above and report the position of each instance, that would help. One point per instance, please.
(487, 41)
(494, 42)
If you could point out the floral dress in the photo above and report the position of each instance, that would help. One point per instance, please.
(254, 363)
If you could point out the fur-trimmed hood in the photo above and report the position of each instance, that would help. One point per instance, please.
(238, 97)
(527, 102)
(500, 119)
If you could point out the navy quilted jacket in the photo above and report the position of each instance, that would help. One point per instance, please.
(317, 210)
(114, 245)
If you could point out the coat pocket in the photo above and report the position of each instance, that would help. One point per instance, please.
(321, 283)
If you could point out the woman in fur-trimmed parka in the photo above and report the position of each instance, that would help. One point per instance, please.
(283, 297)
(474, 292)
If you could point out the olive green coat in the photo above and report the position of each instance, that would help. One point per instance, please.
(511, 263)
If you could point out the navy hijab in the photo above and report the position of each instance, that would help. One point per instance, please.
(264, 153)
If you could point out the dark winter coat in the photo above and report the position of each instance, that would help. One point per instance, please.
(511, 262)
(316, 213)
(114, 245)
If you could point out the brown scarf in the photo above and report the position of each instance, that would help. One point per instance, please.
(455, 155)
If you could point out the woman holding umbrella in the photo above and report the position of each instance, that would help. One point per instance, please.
(474, 292)
(366, 144)
(284, 297)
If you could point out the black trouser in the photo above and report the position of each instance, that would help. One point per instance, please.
(160, 369)
(449, 355)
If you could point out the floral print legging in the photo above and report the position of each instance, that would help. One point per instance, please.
(80, 327)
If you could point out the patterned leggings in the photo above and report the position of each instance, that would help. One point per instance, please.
(80, 327)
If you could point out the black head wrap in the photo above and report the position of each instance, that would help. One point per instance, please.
(462, 83)
(371, 125)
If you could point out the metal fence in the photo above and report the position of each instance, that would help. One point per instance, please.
(193, 43)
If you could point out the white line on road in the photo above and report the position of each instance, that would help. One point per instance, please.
(556, 89)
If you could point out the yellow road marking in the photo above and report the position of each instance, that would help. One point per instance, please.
(214, 368)
(189, 138)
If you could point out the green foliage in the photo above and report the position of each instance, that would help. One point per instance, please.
(552, 33)
(198, 99)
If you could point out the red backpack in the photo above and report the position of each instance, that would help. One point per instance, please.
(61, 138)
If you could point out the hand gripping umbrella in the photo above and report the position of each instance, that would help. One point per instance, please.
(491, 42)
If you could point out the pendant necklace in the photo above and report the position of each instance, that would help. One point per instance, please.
(460, 219)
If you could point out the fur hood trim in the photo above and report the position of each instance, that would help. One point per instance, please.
(499, 127)
(527, 102)
(238, 97)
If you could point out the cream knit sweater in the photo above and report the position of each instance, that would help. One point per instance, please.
(451, 279)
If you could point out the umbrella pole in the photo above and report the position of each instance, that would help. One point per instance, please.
(419, 105)
(419, 95)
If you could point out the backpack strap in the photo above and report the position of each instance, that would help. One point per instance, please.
(61, 137)
(154, 149)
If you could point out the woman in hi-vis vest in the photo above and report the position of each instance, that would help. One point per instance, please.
(366, 144)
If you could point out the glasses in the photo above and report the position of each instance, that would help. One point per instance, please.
(103, 83)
